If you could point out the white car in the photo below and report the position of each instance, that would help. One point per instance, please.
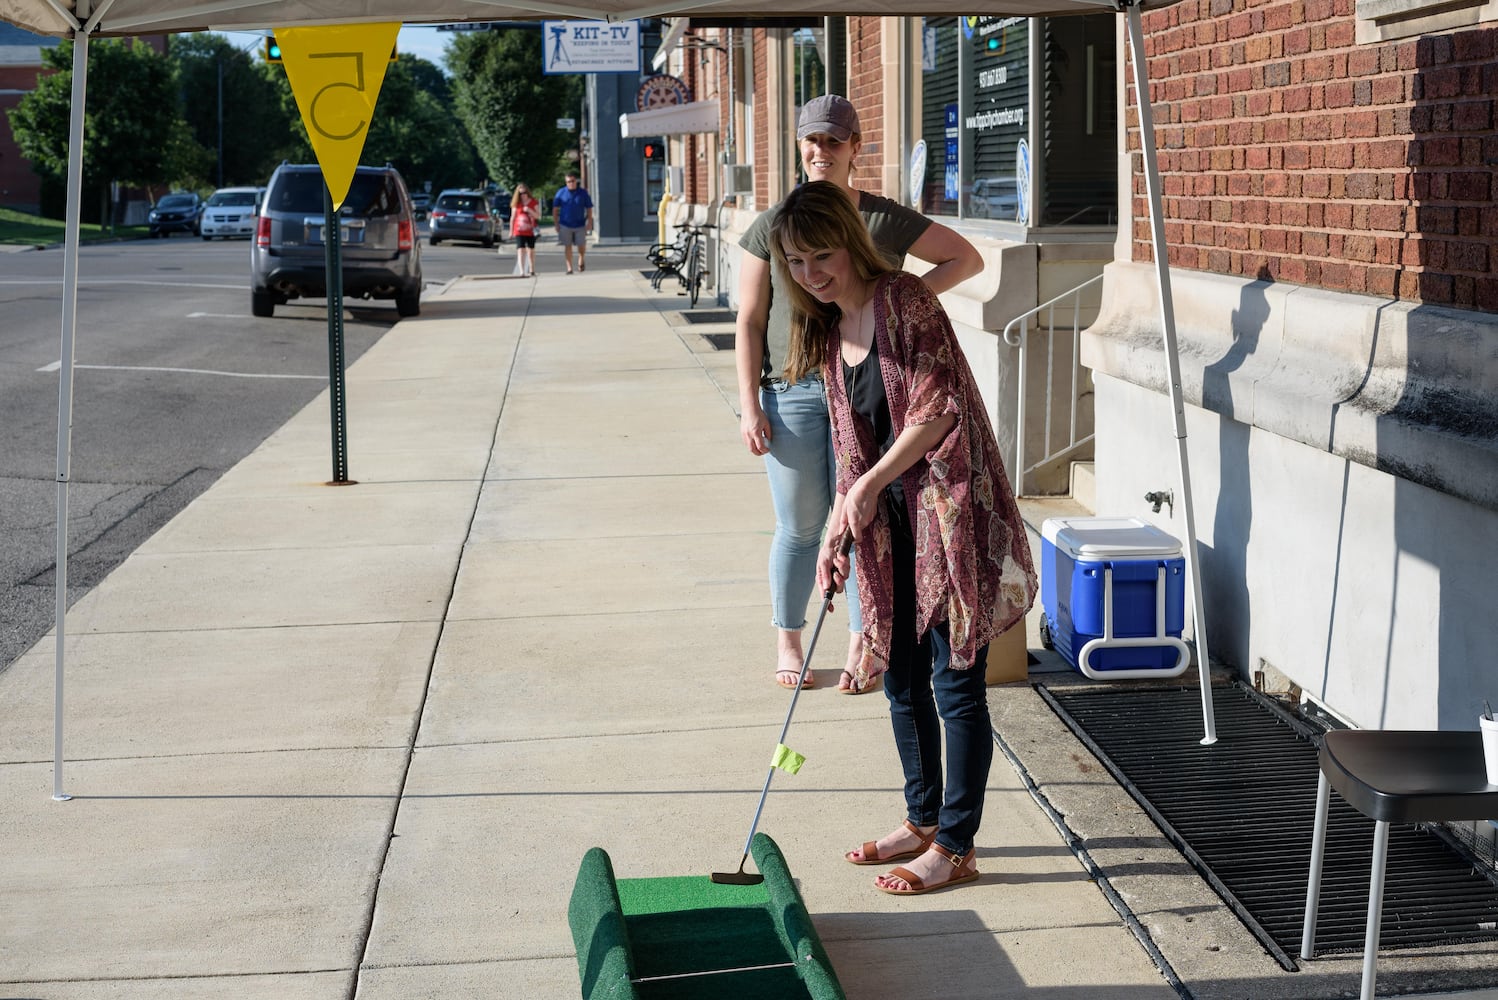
(231, 211)
(995, 198)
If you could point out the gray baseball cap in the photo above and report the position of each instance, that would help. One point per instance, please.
(831, 114)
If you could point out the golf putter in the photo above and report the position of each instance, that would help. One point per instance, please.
(742, 877)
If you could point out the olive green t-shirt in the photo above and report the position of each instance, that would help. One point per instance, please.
(894, 228)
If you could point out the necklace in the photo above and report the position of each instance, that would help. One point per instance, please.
(853, 370)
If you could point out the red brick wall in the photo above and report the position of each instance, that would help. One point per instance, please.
(761, 122)
(866, 91)
(1288, 151)
(19, 184)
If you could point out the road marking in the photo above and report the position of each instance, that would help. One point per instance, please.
(57, 365)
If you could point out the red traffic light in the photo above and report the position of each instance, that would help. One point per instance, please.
(655, 151)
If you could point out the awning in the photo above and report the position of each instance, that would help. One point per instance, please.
(677, 119)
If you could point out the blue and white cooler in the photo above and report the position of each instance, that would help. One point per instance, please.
(1113, 594)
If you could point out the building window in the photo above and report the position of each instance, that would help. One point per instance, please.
(977, 107)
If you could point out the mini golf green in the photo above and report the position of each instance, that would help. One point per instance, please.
(689, 938)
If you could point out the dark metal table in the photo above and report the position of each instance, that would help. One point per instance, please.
(1394, 776)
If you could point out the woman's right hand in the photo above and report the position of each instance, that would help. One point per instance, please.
(754, 428)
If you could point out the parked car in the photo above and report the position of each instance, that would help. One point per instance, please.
(499, 203)
(177, 212)
(995, 198)
(461, 215)
(231, 211)
(380, 253)
(421, 202)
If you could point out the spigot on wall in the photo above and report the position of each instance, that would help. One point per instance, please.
(1157, 497)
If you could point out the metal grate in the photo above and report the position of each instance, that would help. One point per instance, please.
(710, 316)
(720, 341)
(1242, 812)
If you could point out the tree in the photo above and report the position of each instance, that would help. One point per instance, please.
(412, 128)
(132, 132)
(510, 106)
(255, 129)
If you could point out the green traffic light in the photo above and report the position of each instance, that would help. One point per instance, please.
(993, 43)
(272, 50)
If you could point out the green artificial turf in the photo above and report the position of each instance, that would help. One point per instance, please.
(717, 937)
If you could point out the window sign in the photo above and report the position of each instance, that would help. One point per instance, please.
(590, 47)
(951, 179)
(997, 115)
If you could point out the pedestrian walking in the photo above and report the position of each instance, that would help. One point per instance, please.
(525, 218)
(573, 208)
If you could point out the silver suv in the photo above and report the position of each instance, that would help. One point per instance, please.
(380, 253)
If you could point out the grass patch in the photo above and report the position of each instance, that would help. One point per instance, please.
(20, 228)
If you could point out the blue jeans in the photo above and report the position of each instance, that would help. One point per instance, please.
(803, 478)
(926, 695)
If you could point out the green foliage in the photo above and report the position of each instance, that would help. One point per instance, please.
(256, 129)
(412, 128)
(510, 106)
(132, 132)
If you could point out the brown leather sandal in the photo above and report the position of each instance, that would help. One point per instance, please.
(870, 849)
(962, 872)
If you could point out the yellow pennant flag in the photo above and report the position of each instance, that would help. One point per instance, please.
(787, 759)
(335, 73)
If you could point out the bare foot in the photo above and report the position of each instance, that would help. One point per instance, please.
(788, 658)
(903, 842)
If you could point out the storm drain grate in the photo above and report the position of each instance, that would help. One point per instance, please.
(720, 341)
(1242, 812)
(710, 316)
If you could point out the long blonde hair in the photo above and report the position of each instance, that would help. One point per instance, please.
(515, 198)
(818, 216)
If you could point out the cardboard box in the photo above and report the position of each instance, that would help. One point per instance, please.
(1009, 656)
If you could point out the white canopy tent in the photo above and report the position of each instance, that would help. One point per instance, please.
(82, 20)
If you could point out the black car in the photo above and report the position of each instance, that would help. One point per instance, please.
(178, 212)
(380, 253)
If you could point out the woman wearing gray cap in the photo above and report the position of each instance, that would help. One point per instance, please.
(787, 422)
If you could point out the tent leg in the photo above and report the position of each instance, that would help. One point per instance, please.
(65, 384)
(1172, 359)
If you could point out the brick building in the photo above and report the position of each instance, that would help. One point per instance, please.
(20, 62)
(1328, 189)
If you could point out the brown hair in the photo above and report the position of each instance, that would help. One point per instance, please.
(818, 216)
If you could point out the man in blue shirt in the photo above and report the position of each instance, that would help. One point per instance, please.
(574, 214)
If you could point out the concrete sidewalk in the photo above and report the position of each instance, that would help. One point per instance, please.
(332, 742)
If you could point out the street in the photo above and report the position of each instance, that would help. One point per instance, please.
(175, 383)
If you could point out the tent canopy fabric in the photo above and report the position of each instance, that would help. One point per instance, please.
(146, 17)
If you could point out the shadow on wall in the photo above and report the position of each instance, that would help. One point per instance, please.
(1225, 563)
(1449, 405)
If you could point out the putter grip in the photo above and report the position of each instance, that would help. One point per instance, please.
(844, 546)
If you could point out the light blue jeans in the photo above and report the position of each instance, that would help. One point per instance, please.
(803, 482)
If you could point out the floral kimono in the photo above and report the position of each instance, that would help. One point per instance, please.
(972, 560)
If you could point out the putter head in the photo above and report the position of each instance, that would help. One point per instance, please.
(739, 877)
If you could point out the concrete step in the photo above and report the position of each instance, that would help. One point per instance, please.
(1084, 485)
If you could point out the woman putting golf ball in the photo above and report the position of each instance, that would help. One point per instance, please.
(943, 563)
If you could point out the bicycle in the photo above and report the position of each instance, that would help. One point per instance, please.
(686, 259)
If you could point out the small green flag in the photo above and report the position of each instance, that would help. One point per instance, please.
(787, 759)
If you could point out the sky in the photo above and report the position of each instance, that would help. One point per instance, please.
(427, 43)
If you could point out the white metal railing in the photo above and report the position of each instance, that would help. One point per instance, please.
(1021, 338)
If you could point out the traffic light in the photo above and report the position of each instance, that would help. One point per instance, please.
(272, 49)
(655, 151)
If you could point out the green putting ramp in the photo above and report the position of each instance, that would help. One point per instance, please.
(688, 938)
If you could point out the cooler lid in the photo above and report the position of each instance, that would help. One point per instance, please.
(1094, 539)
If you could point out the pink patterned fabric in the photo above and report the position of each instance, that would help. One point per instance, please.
(972, 560)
